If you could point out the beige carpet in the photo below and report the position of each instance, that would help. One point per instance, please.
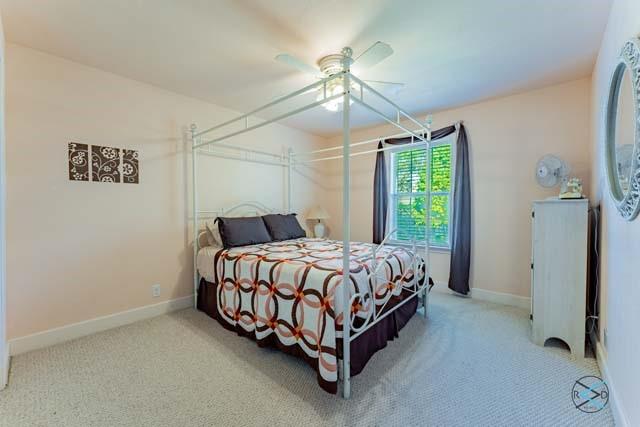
(469, 364)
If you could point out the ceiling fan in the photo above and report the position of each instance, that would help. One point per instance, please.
(332, 64)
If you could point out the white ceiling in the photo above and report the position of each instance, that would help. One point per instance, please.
(448, 53)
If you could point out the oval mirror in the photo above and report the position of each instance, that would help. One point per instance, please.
(623, 132)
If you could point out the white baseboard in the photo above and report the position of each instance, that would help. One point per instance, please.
(619, 414)
(4, 368)
(76, 330)
(490, 296)
(441, 287)
(501, 298)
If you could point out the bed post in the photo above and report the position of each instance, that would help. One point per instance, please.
(289, 179)
(194, 198)
(427, 229)
(346, 227)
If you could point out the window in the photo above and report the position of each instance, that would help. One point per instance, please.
(408, 193)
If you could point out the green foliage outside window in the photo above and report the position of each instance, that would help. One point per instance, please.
(409, 199)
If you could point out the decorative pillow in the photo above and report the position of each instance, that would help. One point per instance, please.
(203, 239)
(213, 234)
(242, 231)
(283, 227)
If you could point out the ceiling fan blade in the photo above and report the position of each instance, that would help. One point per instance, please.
(375, 54)
(298, 64)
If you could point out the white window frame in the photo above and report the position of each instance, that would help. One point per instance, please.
(447, 140)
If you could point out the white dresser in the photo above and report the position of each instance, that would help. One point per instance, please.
(559, 271)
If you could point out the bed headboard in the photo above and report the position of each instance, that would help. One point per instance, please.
(242, 209)
(239, 210)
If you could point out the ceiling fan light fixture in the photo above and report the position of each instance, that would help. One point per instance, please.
(330, 65)
(334, 88)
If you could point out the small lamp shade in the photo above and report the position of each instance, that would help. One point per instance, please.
(317, 212)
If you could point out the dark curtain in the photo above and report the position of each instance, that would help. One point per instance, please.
(380, 197)
(461, 205)
(381, 188)
(461, 221)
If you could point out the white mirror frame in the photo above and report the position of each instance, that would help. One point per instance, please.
(628, 204)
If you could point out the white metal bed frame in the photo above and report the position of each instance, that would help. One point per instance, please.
(421, 137)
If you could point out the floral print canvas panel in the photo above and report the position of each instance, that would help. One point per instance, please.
(130, 166)
(105, 164)
(78, 162)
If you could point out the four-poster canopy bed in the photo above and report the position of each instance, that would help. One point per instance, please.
(382, 279)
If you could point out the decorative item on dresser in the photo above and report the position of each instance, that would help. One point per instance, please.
(572, 190)
(551, 170)
(558, 271)
(318, 213)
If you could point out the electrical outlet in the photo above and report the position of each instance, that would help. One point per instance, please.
(155, 291)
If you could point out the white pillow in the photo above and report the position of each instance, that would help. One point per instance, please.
(203, 239)
(213, 234)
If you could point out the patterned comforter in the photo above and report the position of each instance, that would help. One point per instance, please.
(293, 289)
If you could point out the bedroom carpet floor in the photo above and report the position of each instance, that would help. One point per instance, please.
(470, 364)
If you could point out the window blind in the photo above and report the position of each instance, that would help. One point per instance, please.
(409, 194)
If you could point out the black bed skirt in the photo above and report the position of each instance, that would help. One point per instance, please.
(362, 348)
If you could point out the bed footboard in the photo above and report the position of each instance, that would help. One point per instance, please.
(414, 283)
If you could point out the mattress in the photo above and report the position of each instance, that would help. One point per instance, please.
(291, 292)
(206, 262)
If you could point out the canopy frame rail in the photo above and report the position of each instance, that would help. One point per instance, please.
(209, 143)
(246, 119)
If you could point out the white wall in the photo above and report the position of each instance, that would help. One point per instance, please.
(79, 250)
(620, 244)
(506, 138)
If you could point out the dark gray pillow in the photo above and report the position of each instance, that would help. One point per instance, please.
(283, 227)
(242, 231)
